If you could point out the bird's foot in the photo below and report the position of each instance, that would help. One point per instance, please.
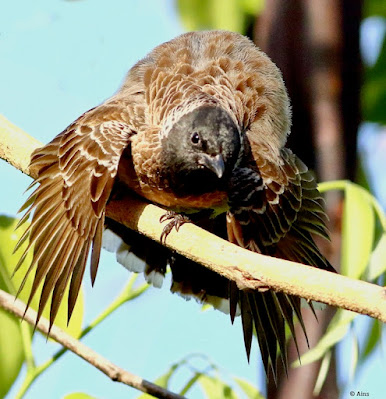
(176, 221)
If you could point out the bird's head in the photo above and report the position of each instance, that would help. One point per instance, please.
(200, 150)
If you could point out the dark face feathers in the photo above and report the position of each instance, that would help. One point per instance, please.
(200, 151)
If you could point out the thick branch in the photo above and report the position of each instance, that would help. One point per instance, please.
(17, 307)
(249, 270)
(16, 145)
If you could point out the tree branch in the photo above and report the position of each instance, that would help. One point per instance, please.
(17, 307)
(16, 145)
(249, 270)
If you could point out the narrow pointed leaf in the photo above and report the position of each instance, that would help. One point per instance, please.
(357, 231)
(215, 388)
(323, 372)
(9, 235)
(250, 391)
(377, 265)
(373, 337)
(79, 395)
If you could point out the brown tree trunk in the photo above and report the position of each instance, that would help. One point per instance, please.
(316, 46)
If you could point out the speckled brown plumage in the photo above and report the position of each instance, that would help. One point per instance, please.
(200, 123)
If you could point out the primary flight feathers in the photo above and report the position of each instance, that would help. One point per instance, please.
(199, 127)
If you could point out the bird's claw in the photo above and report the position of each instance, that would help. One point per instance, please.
(176, 221)
(167, 216)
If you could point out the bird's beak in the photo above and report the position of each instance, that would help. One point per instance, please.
(214, 163)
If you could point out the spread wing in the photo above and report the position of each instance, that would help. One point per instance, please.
(274, 210)
(76, 173)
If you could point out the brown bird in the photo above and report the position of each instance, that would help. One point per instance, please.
(198, 127)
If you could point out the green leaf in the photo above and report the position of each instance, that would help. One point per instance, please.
(252, 7)
(218, 14)
(190, 383)
(215, 388)
(8, 239)
(357, 231)
(251, 391)
(78, 395)
(377, 264)
(336, 331)
(12, 355)
(11, 350)
(374, 7)
(373, 99)
(373, 337)
(194, 14)
(227, 14)
(163, 380)
(323, 372)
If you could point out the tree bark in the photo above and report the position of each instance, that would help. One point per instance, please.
(316, 46)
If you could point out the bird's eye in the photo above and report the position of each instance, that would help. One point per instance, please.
(195, 138)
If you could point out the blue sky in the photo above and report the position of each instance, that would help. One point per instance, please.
(58, 59)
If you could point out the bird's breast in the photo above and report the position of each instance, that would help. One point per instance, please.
(166, 197)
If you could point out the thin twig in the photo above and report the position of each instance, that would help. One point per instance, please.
(17, 307)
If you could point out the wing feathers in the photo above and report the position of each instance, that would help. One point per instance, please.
(286, 310)
(45, 257)
(261, 333)
(59, 257)
(68, 207)
(277, 324)
(77, 276)
(61, 284)
(246, 320)
(96, 249)
(268, 334)
(282, 227)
